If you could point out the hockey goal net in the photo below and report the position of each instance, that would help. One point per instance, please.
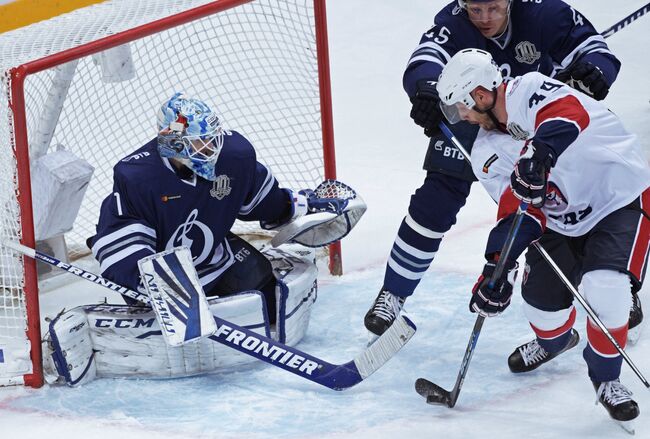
(89, 83)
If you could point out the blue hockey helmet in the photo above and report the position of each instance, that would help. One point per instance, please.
(188, 130)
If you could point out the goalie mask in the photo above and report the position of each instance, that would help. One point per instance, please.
(190, 132)
(465, 71)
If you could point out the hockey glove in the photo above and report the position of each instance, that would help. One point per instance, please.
(317, 204)
(307, 201)
(490, 302)
(587, 78)
(530, 177)
(426, 110)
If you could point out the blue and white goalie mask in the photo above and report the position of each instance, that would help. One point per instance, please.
(189, 131)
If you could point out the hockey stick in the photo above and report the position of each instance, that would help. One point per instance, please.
(302, 364)
(627, 20)
(590, 311)
(433, 392)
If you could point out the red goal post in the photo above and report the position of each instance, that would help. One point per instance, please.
(262, 64)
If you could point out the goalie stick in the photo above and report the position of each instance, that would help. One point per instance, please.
(425, 387)
(333, 376)
(433, 392)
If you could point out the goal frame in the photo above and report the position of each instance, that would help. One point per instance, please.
(20, 144)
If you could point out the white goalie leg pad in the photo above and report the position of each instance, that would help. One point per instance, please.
(127, 342)
(177, 296)
(296, 290)
(68, 349)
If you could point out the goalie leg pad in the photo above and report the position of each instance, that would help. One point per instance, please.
(109, 341)
(71, 354)
(296, 290)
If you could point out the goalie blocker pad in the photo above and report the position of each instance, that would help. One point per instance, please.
(97, 341)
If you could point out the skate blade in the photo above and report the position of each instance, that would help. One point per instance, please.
(628, 426)
(634, 334)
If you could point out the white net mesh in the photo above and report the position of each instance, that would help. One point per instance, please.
(255, 64)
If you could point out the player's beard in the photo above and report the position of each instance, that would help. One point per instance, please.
(486, 122)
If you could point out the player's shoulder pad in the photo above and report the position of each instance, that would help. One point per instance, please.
(237, 146)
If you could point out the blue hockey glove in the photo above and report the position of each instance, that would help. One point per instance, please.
(490, 302)
(426, 110)
(530, 177)
(587, 78)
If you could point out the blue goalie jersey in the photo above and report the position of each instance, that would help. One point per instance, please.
(546, 36)
(155, 206)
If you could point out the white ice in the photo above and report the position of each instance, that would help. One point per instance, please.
(379, 152)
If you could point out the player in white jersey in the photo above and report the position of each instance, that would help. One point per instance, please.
(586, 180)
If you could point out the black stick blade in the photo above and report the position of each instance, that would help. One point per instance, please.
(434, 394)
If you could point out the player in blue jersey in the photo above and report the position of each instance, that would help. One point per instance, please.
(186, 187)
(547, 36)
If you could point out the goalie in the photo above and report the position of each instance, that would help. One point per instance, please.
(186, 188)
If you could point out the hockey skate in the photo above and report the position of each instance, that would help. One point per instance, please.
(383, 313)
(635, 325)
(618, 402)
(531, 355)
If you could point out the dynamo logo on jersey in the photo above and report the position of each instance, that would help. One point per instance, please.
(194, 235)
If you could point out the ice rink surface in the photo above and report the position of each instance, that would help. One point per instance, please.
(379, 153)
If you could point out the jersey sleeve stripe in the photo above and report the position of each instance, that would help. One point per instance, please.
(262, 192)
(508, 205)
(119, 234)
(566, 108)
(433, 48)
(101, 253)
(107, 262)
(595, 43)
(427, 58)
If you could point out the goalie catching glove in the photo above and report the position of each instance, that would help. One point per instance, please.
(320, 216)
(492, 301)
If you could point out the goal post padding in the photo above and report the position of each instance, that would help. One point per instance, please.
(262, 64)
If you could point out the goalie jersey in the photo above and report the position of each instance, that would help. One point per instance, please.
(600, 166)
(155, 207)
(545, 36)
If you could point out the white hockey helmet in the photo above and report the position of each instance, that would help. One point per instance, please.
(465, 71)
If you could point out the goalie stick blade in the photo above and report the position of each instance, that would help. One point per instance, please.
(291, 359)
(434, 394)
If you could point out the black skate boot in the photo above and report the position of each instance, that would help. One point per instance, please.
(383, 312)
(531, 355)
(636, 318)
(618, 402)
(636, 313)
